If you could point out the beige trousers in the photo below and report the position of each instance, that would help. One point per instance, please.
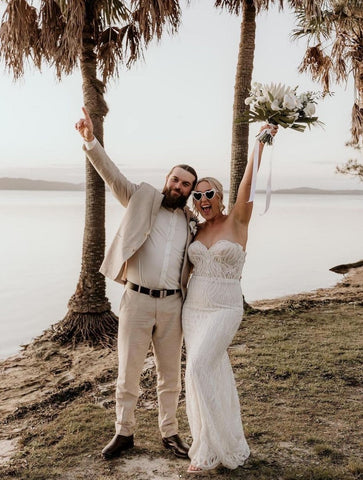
(143, 319)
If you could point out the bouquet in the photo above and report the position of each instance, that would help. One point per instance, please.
(281, 105)
(277, 105)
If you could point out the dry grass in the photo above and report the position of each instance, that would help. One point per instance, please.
(299, 377)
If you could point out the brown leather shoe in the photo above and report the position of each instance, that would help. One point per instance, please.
(117, 445)
(176, 445)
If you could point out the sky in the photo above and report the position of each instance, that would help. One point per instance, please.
(176, 107)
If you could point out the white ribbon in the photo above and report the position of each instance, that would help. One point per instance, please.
(268, 186)
(255, 170)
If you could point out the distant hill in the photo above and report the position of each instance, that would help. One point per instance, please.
(7, 183)
(315, 191)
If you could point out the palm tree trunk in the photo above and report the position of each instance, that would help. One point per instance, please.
(357, 111)
(359, 81)
(242, 87)
(89, 318)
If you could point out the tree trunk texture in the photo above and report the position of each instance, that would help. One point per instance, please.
(89, 318)
(240, 131)
(359, 81)
(357, 113)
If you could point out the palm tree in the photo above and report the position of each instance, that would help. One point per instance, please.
(335, 52)
(248, 9)
(97, 35)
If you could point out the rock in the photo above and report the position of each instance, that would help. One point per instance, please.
(345, 267)
(7, 448)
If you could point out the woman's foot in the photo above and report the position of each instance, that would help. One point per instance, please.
(193, 469)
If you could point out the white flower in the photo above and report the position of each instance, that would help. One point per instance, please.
(303, 98)
(256, 86)
(309, 110)
(275, 105)
(289, 102)
(299, 103)
(249, 100)
(193, 226)
(277, 91)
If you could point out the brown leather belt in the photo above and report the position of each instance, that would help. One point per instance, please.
(151, 292)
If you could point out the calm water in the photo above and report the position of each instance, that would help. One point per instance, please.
(290, 250)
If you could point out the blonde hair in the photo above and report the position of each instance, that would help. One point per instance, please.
(218, 187)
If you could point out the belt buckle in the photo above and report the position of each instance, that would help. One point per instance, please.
(158, 293)
(154, 293)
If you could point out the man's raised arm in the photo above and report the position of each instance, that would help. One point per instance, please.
(119, 185)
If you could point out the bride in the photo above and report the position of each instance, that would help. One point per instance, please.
(211, 316)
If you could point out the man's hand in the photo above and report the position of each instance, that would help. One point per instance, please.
(85, 126)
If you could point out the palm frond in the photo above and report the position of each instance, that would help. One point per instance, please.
(61, 26)
(235, 7)
(232, 6)
(55, 30)
(109, 55)
(265, 4)
(52, 27)
(129, 41)
(338, 53)
(342, 32)
(152, 16)
(70, 41)
(114, 11)
(339, 57)
(315, 27)
(318, 65)
(311, 9)
(20, 37)
(350, 8)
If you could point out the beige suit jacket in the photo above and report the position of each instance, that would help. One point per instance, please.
(142, 204)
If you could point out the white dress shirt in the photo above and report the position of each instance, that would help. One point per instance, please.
(158, 263)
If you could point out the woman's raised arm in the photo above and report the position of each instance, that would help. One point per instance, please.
(242, 209)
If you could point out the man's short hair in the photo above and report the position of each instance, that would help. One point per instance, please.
(189, 169)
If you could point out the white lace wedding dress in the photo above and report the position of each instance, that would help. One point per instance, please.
(212, 313)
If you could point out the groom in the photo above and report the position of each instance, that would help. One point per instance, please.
(148, 255)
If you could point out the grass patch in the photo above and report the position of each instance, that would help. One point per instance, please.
(297, 376)
(49, 449)
(328, 452)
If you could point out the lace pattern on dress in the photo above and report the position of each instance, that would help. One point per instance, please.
(224, 259)
(215, 282)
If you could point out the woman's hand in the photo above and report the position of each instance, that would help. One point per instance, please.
(85, 126)
(273, 129)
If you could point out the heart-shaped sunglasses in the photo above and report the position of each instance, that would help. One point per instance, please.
(209, 194)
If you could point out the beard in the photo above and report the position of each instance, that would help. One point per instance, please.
(171, 201)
